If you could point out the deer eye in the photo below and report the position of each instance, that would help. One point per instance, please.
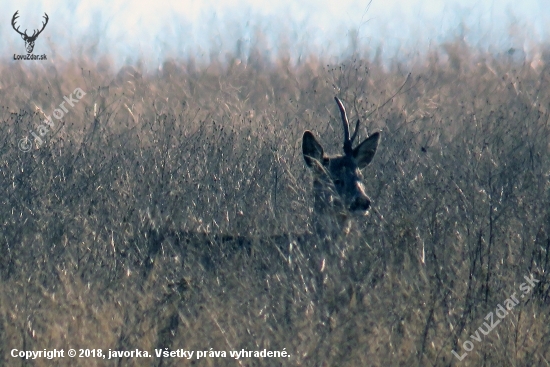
(338, 182)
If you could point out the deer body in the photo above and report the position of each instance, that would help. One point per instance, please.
(338, 193)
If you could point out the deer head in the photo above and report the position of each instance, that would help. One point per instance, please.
(29, 40)
(338, 184)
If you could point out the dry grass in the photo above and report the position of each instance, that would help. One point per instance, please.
(112, 230)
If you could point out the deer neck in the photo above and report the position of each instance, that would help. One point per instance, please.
(330, 219)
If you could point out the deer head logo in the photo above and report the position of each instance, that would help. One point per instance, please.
(29, 40)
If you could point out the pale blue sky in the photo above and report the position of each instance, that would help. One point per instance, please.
(155, 30)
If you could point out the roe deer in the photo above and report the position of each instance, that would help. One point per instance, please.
(338, 189)
(338, 194)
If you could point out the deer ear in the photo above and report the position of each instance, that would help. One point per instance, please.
(365, 151)
(311, 149)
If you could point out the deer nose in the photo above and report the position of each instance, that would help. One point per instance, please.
(360, 203)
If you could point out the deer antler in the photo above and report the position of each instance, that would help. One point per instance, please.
(355, 131)
(15, 16)
(348, 142)
(43, 26)
(25, 35)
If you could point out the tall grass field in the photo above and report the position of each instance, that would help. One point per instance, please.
(161, 210)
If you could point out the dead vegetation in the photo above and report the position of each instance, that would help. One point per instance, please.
(99, 225)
